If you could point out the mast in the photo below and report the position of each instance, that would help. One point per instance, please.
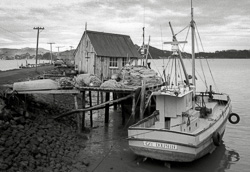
(193, 46)
(143, 46)
(175, 48)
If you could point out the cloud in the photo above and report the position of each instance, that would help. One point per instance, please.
(218, 21)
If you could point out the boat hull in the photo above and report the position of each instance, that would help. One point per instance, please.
(176, 146)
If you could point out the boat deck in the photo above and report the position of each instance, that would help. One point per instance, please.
(202, 123)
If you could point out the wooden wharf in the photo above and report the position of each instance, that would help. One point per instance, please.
(125, 93)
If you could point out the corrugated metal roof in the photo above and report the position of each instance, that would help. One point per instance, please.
(112, 45)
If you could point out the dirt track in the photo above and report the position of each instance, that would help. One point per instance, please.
(11, 76)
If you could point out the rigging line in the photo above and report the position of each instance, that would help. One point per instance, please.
(178, 63)
(180, 69)
(197, 72)
(135, 106)
(154, 64)
(167, 63)
(164, 68)
(186, 36)
(216, 88)
(202, 69)
(207, 60)
(106, 155)
(111, 148)
(182, 29)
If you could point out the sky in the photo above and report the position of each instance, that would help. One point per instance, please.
(221, 24)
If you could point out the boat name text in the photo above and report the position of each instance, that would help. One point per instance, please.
(159, 145)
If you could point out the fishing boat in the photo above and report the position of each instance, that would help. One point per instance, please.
(186, 124)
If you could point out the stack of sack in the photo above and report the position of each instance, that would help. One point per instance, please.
(86, 80)
(112, 84)
(65, 82)
(133, 76)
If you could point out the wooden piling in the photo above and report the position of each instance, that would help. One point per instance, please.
(123, 114)
(142, 103)
(78, 115)
(114, 98)
(98, 98)
(83, 107)
(133, 108)
(107, 108)
(101, 97)
(91, 112)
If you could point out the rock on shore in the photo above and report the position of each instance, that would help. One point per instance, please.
(32, 141)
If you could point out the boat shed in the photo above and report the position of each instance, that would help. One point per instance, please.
(103, 54)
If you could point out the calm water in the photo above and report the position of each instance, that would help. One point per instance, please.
(108, 150)
(14, 64)
(232, 77)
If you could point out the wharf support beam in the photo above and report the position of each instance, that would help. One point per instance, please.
(100, 106)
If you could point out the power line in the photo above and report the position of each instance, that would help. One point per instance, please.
(15, 34)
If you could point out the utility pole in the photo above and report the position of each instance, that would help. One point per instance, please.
(58, 47)
(50, 51)
(71, 47)
(37, 40)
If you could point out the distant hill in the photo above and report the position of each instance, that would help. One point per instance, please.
(12, 52)
(68, 54)
(156, 53)
(226, 54)
(237, 54)
(30, 53)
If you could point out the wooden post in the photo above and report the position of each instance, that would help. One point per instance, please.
(83, 113)
(91, 112)
(78, 116)
(114, 98)
(133, 108)
(107, 108)
(101, 97)
(123, 114)
(142, 103)
(98, 98)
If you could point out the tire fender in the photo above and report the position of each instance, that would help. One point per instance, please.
(230, 119)
(216, 139)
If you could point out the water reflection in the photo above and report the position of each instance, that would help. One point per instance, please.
(219, 161)
(230, 157)
(108, 149)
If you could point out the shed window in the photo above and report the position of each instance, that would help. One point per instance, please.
(113, 62)
(124, 61)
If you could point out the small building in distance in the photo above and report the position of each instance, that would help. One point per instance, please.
(103, 54)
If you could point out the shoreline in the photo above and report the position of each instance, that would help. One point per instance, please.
(16, 75)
